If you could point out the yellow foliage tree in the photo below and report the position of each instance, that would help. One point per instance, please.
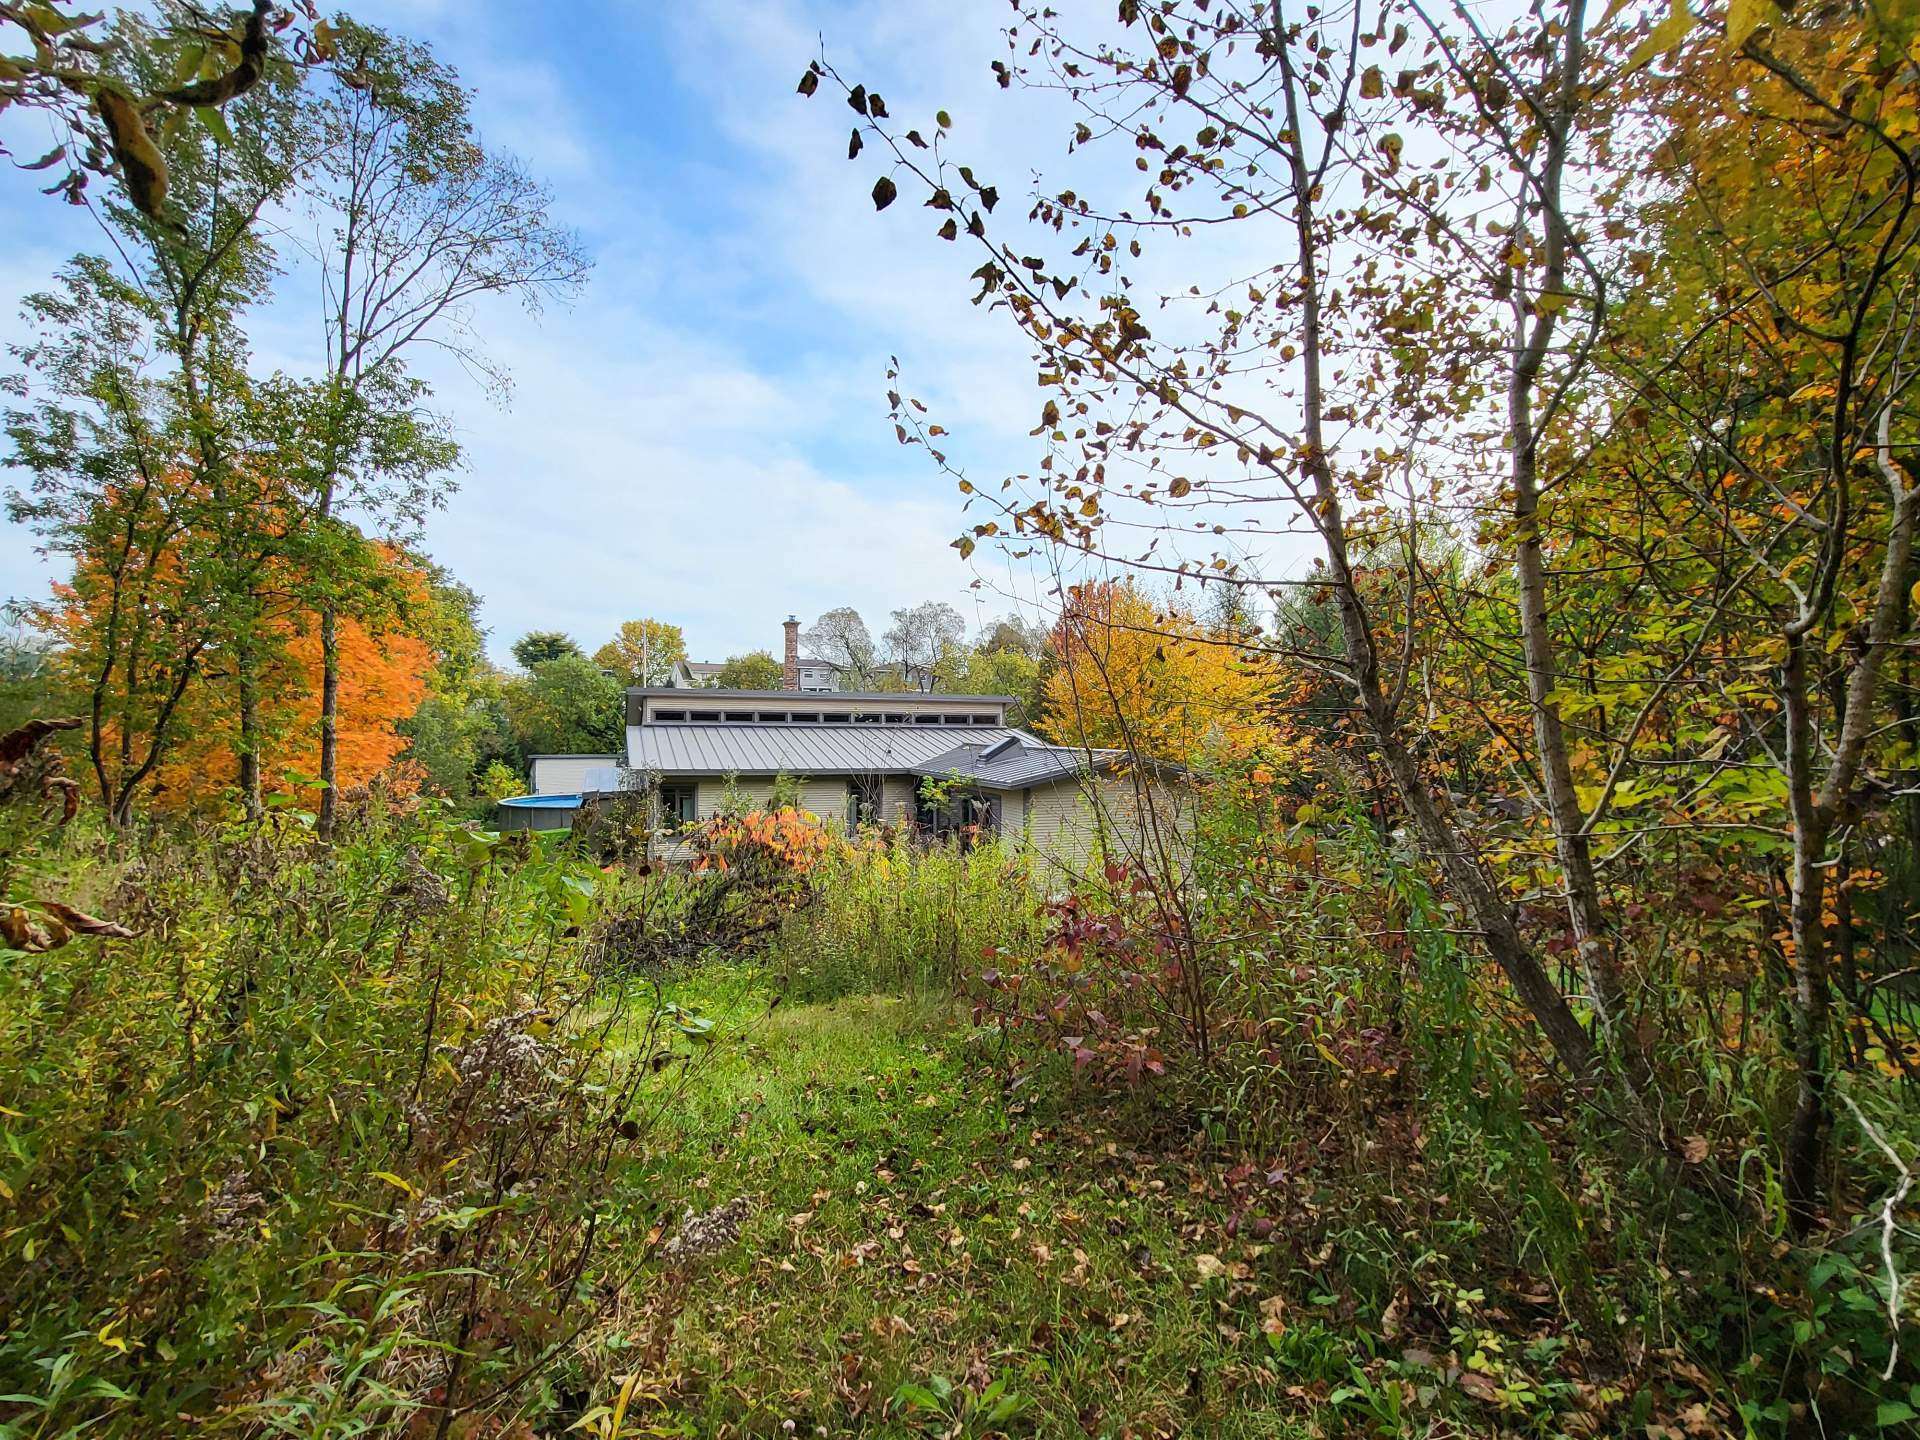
(1134, 676)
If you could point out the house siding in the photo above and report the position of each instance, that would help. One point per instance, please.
(1065, 826)
(564, 774)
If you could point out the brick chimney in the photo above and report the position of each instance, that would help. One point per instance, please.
(790, 668)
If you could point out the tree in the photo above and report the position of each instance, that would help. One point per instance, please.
(157, 463)
(1011, 632)
(565, 706)
(643, 652)
(461, 724)
(1783, 436)
(537, 647)
(840, 638)
(1625, 306)
(1152, 681)
(387, 686)
(419, 222)
(1005, 671)
(756, 670)
(1262, 118)
(208, 61)
(920, 636)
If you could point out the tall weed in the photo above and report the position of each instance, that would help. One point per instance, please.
(332, 1147)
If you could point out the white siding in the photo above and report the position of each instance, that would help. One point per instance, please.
(564, 774)
(749, 792)
(1069, 824)
(826, 798)
(897, 796)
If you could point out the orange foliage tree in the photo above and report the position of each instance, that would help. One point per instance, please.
(384, 678)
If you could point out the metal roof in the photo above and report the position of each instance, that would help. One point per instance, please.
(891, 697)
(801, 750)
(1028, 763)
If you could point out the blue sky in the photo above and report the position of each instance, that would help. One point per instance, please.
(703, 435)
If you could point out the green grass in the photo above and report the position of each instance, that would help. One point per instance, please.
(913, 1228)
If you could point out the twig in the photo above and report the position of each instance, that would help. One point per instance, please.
(1888, 1208)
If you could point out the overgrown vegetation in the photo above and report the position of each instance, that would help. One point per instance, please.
(1516, 1033)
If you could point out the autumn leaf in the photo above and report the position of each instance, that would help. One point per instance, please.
(82, 923)
(17, 744)
(884, 192)
(1666, 35)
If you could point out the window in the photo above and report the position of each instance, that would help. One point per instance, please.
(737, 717)
(669, 714)
(836, 717)
(703, 714)
(679, 804)
(804, 716)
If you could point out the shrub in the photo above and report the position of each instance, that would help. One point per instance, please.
(333, 1145)
(890, 915)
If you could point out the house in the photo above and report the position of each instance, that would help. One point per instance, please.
(941, 763)
(695, 674)
(809, 673)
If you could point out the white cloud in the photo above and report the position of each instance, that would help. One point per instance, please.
(703, 437)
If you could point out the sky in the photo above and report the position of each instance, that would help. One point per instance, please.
(702, 435)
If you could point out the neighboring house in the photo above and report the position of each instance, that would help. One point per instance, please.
(695, 674)
(857, 758)
(806, 673)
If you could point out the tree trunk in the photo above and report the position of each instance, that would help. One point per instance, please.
(329, 721)
(1439, 834)
(1533, 340)
(1591, 932)
(249, 756)
(1806, 1133)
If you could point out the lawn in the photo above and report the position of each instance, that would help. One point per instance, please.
(927, 1254)
(915, 1235)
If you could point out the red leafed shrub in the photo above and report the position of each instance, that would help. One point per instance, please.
(1111, 980)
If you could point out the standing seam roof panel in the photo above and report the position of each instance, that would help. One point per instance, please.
(804, 749)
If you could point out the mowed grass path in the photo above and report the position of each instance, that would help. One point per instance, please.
(918, 1239)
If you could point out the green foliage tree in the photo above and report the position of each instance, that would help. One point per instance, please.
(1000, 672)
(158, 465)
(537, 647)
(182, 61)
(461, 727)
(418, 223)
(756, 670)
(565, 706)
